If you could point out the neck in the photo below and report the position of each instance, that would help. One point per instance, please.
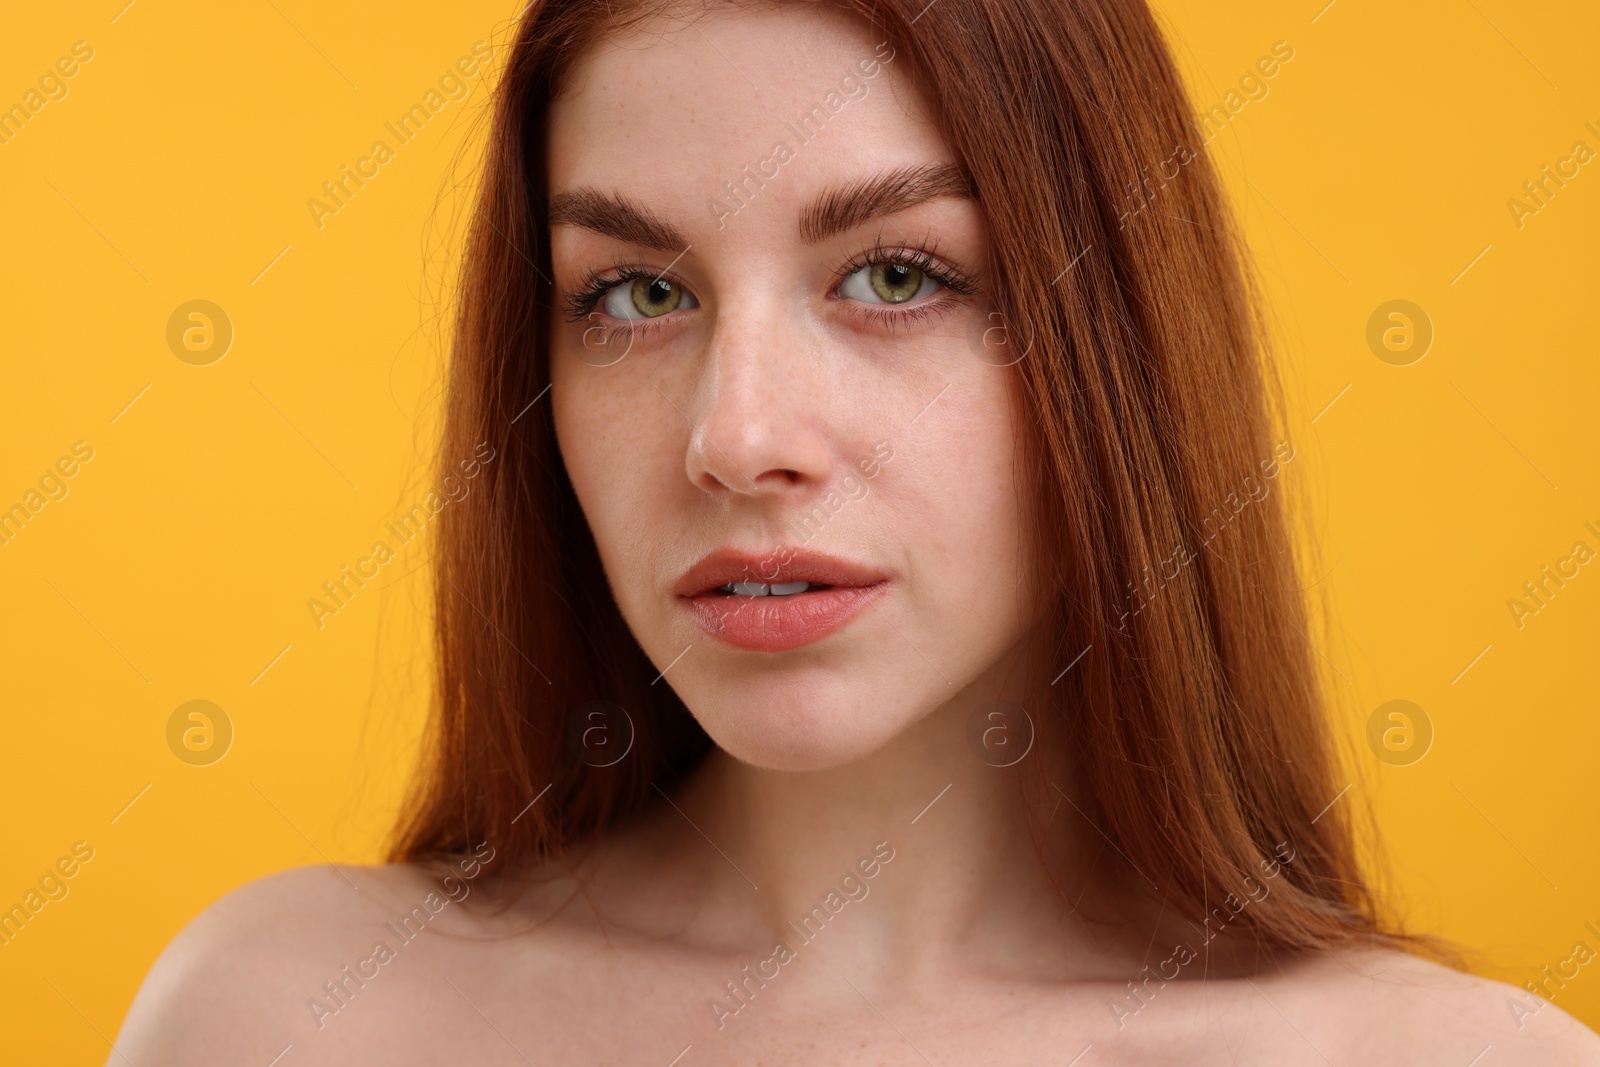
(921, 855)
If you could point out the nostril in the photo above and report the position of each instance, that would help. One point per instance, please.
(787, 476)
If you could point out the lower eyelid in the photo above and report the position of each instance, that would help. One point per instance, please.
(915, 314)
(612, 326)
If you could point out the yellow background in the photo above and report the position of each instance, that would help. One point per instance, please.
(178, 567)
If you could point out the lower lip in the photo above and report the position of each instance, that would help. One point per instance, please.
(778, 623)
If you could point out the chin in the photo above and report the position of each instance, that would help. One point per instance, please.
(797, 724)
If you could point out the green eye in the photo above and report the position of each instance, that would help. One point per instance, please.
(644, 296)
(895, 282)
(888, 282)
(655, 297)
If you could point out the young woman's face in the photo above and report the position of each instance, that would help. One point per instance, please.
(792, 432)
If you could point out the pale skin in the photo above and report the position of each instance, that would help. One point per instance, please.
(764, 386)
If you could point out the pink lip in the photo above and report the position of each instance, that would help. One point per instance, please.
(777, 623)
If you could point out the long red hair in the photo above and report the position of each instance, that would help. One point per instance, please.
(1150, 413)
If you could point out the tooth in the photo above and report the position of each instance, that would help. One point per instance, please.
(748, 588)
(790, 588)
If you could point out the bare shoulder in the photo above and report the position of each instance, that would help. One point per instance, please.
(244, 980)
(1410, 1008)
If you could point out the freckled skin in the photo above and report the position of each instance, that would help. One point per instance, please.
(748, 410)
(720, 428)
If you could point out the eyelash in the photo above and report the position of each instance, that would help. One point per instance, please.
(581, 302)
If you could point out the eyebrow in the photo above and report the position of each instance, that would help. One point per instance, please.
(847, 206)
(615, 216)
(834, 211)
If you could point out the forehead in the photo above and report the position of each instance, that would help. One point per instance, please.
(672, 113)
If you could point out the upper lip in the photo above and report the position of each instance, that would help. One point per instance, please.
(726, 565)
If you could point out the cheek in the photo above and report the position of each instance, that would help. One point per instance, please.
(971, 517)
(596, 413)
(591, 442)
(620, 461)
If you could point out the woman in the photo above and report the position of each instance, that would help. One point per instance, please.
(874, 639)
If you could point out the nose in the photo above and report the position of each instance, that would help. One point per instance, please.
(758, 419)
